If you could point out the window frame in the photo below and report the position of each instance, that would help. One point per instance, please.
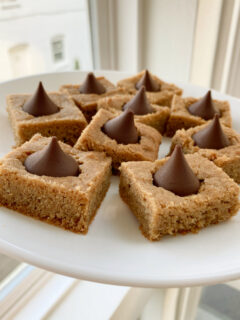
(55, 40)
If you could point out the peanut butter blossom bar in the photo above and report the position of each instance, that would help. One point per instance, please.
(87, 94)
(179, 194)
(55, 183)
(214, 141)
(51, 114)
(120, 137)
(158, 91)
(191, 112)
(150, 114)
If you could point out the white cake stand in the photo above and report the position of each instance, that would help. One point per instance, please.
(114, 251)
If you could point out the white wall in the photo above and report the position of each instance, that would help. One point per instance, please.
(156, 34)
(233, 85)
(168, 33)
(127, 35)
(205, 42)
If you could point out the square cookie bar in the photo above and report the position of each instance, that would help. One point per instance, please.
(157, 119)
(181, 118)
(162, 97)
(227, 158)
(93, 138)
(66, 125)
(88, 102)
(67, 202)
(161, 212)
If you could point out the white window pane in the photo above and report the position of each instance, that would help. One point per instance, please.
(43, 36)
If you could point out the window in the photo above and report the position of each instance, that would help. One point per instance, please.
(20, 60)
(58, 49)
(28, 47)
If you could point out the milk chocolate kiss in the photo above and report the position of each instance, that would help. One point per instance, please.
(176, 175)
(122, 128)
(40, 104)
(212, 136)
(52, 161)
(148, 82)
(139, 104)
(92, 85)
(204, 107)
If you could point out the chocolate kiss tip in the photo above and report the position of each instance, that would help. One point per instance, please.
(122, 128)
(40, 104)
(92, 85)
(176, 175)
(204, 107)
(148, 82)
(212, 136)
(139, 103)
(52, 161)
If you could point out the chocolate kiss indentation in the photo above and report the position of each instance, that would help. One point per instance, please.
(92, 85)
(212, 136)
(122, 128)
(139, 104)
(176, 175)
(148, 82)
(40, 104)
(204, 107)
(52, 161)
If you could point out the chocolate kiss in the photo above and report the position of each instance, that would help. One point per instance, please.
(204, 107)
(139, 104)
(176, 175)
(122, 128)
(148, 82)
(40, 104)
(92, 85)
(212, 136)
(52, 161)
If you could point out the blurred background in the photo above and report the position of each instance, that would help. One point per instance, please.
(188, 40)
(195, 41)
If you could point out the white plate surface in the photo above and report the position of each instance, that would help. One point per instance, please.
(114, 251)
